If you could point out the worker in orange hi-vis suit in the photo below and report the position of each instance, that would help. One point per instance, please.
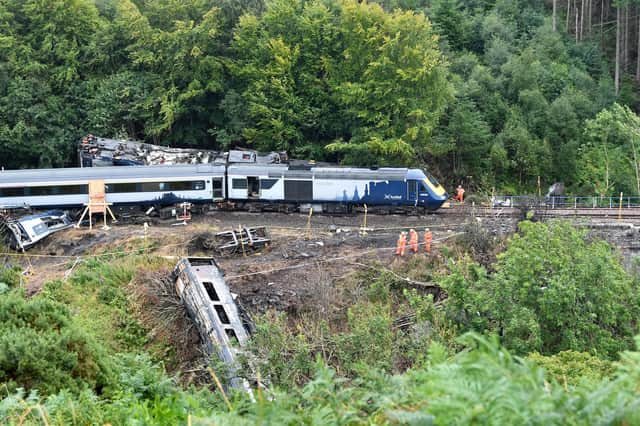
(428, 238)
(460, 194)
(413, 240)
(402, 244)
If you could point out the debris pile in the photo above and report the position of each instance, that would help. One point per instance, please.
(242, 240)
(94, 151)
(23, 233)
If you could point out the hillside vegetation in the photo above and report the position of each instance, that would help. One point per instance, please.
(485, 92)
(557, 348)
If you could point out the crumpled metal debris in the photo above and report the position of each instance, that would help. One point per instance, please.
(243, 240)
(94, 151)
(22, 233)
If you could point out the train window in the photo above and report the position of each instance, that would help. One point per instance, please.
(121, 187)
(433, 180)
(197, 185)
(72, 189)
(12, 192)
(150, 187)
(211, 291)
(216, 185)
(155, 186)
(233, 339)
(44, 190)
(267, 183)
(239, 184)
(423, 187)
(222, 315)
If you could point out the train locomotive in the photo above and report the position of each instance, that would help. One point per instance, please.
(281, 187)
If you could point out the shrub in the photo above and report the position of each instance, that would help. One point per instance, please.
(41, 348)
(553, 290)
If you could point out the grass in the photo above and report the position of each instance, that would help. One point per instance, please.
(97, 293)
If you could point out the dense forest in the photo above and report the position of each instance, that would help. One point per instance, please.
(492, 93)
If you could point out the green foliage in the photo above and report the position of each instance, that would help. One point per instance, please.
(98, 290)
(341, 74)
(610, 159)
(484, 384)
(572, 368)
(10, 276)
(553, 290)
(361, 83)
(42, 348)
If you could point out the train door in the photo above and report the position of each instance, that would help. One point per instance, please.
(253, 187)
(412, 191)
(218, 188)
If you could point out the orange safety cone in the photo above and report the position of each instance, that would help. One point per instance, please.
(428, 238)
(413, 240)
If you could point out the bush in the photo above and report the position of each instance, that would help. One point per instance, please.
(10, 276)
(41, 348)
(553, 290)
(572, 368)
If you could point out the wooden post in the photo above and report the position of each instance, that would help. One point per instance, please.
(244, 253)
(308, 234)
(539, 190)
(620, 208)
(363, 231)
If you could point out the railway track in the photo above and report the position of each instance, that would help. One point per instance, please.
(542, 212)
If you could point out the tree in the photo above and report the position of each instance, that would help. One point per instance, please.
(343, 75)
(609, 162)
(552, 290)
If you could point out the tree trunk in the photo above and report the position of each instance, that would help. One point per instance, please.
(553, 21)
(625, 52)
(568, 13)
(589, 16)
(575, 6)
(638, 53)
(601, 24)
(581, 19)
(618, 37)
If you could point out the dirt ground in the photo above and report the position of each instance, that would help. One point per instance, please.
(297, 268)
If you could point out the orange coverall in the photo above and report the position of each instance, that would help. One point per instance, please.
(428, 238)
(413, 241)
(402, 243)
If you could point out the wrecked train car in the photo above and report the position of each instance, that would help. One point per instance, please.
(95, 151)
(23, 233)
(223, 327)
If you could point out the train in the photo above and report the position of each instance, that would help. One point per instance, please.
(282, 187)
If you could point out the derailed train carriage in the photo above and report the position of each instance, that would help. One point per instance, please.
(261, 186)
